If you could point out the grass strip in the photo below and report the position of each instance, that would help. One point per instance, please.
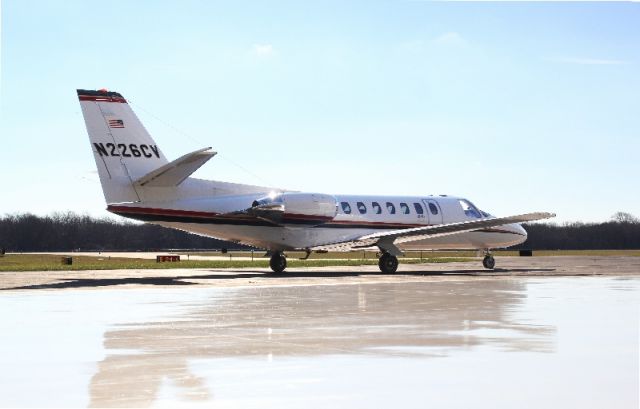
(45, 262)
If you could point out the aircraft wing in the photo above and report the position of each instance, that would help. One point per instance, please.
(387, 240)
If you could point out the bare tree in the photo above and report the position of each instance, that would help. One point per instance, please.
(624, 217)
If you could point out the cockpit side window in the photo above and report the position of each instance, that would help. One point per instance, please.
(346, 207)
(469, 209)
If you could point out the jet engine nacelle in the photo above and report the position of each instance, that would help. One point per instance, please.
(299, 208)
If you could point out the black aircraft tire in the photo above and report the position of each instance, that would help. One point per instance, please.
(278, 263)
(388, 264)
(489, 262)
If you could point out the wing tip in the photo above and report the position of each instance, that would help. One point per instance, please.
(539, 216)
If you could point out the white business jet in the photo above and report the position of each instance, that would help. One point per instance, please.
(140, 183)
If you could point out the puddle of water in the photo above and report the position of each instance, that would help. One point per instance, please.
(497, 342)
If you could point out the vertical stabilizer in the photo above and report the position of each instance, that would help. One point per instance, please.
(123, 149)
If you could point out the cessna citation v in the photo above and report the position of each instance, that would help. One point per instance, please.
(140, 183)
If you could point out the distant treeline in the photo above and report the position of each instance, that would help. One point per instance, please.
(70, 231)
(612, 235)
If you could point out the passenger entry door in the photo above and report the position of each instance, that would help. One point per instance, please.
(434, 212)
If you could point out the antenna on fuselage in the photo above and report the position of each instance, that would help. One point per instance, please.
(197, 141)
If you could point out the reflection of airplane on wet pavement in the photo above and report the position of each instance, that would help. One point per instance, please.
(246, 327)
(140, 183)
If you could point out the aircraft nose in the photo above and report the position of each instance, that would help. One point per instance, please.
(519, 234)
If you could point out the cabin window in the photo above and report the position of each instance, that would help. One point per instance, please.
(469, 209)
(391, 208)
(376, 207)
(433, 208)
(418, 207)
(361, 207)
(346, 207)
(404, 208)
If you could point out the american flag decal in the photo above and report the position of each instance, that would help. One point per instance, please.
(116, 123)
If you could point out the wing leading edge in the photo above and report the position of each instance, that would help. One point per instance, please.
(387, 240)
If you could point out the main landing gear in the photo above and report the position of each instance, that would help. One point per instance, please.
(278, 262)
(388, 264)
(489, 262)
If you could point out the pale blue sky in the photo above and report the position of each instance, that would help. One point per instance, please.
(517, 106)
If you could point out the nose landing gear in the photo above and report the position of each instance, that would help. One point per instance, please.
(489, 262)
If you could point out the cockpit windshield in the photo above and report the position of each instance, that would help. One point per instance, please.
(469, 209)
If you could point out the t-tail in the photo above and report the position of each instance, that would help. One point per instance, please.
(123, 149)
(129, 161)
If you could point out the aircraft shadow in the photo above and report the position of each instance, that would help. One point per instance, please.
(102, 282)
(183, 280)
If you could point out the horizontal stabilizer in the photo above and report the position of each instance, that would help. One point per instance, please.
(173, 173)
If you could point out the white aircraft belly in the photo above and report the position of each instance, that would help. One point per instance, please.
(285, 238)
(257, 236)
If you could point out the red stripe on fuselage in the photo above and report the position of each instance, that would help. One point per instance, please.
(378, 224)
(158, 211)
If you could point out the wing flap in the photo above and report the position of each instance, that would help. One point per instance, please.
(173, 173)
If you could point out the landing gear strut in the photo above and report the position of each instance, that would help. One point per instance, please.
(489, 262)
(388, 264)
(278, 262)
